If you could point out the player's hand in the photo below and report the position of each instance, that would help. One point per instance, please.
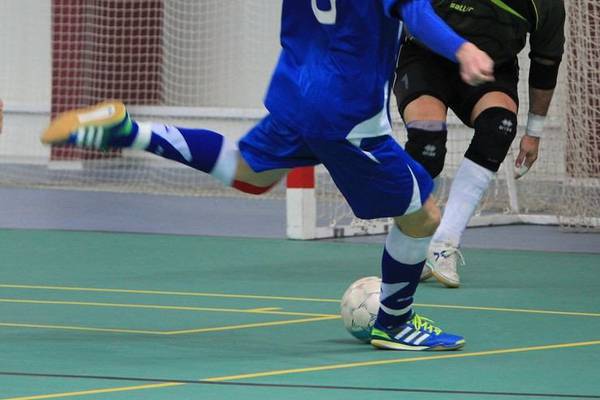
(476, 67)
(528, 153)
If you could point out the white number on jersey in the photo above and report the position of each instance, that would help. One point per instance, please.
(325, 17)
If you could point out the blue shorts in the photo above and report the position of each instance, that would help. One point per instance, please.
(377, 177)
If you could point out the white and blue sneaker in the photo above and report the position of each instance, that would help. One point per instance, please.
(417, 334)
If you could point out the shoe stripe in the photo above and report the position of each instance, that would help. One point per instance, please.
(421, 339)
(89, 137)
(412, 336)
(99, 134)
(80, 136)
(403, 332)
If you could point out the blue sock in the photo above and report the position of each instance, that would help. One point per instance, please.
(401, 266)
(197, 148)
(201, 149)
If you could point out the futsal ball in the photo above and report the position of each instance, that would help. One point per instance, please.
(360, 304)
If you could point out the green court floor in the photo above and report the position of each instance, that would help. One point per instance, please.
(127, 316)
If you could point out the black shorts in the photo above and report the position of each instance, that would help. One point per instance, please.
(422, 72)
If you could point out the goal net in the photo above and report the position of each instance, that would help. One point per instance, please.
(207, 64)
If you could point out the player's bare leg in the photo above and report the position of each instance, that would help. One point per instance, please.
(262, 181)
(108, 124)
(422, 223)
(493, 99)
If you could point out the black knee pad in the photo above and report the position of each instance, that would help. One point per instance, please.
(428, 148)
(495, 129)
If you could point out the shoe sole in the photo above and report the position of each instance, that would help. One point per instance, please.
(448, 283)
(107, 114)
(387, 345)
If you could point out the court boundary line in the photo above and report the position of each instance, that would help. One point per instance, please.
(288, 298)
(329, 367)
(182, 382)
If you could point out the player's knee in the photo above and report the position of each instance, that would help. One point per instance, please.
(421, 223)
(495, 129)
(250, 188)
(427, 144)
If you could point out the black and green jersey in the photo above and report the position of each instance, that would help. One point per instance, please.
(500, 27)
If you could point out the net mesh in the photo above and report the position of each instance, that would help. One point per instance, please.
(207, 64)
(182, 62)
(580, 203)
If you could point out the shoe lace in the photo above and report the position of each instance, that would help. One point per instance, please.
(422, 323)
(450, 250)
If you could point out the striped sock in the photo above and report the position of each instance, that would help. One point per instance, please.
(201, 149)
(401, 266)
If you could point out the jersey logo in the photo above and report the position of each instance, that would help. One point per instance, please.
(326, 17)
(461, 7)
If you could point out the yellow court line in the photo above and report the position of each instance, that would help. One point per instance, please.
(299, 299)
(80, 328)
(245, 326)
(176, 332)
(513, 310)
(97, 391)
(330, 367)
(161, 307)
(168, 293)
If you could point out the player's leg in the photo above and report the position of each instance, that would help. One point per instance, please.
(398, 327)
(378, 179)
(422, 91)
(108, 125)
(495, 121)
(425, 120)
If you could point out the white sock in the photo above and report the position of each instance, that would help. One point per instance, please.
(227, 161)
(469, 184)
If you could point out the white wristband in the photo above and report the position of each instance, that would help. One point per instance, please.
(535, 125)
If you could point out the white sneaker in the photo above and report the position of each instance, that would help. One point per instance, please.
(442, 261)
(426, 273)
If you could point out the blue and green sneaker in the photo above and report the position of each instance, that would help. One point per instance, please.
(418, 333)
(94, 127)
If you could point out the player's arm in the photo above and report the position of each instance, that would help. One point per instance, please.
(426, 26)
(547, 45)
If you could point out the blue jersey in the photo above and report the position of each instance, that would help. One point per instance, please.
(336, 65)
